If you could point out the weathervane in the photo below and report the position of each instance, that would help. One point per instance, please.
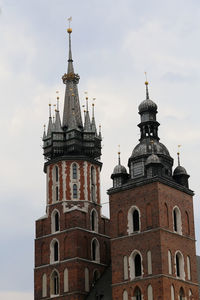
(178, 154)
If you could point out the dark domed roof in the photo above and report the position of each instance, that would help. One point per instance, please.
(147, 105)
(180, 171)
(145, 148)
(119, 169)
(153, 159)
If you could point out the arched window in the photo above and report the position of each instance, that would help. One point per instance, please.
(94, 220)
(56, 174)
(54, 251)
(66, 281)
(149, 262)
(96, 275)
(169, 262)
(136, 219)
(133, 220)
(74, 171)
(188, 268)
(55, 183)
(177, 220)
(93, 188)
(150, 292)
(172, 293)
(125, 262)
(179, 262)
(75, 191)
(54, 285)
(125, 295)
(187, 223)
(181, 294)
(44, 285)
(55, 221)
(135, 263)
(190, 295)
(87, 283)
(137, 294)
(95, 250)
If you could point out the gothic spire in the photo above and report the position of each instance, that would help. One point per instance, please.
(87, 124)
(93, 123)
(71, 103)
(57, 124)
(50, 125)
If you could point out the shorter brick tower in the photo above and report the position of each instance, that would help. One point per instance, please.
(72, 239)
(152, 223)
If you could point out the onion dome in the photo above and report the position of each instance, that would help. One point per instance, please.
(147, 104)
(153, 159)
(144, 148)
(119, 169)
(119, 174)
(180, 171)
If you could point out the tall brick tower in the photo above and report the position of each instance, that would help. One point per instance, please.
(72, 239)
(152, 223)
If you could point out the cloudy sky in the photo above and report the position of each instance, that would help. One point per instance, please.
(114, 42)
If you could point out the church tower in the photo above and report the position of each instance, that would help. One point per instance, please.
(152, 223)
(72, 239)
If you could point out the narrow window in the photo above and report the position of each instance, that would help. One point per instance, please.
(95, 250)
(93, 184)
(75, 192)
(125, 295)
(190, 295)
(44, 285)
(74, 171)
(66, 281)
(138, 269)
(56, 173)
(56, 220)
(57, 193)
(188, 268)
(54, 283)
(136, 225)
(150, 292)
(177, 265)
(172, 293)
(137, 294)
(87, 284)
(94, 221)
(149, 262)
(169, 262)
(175, 221)
(96, 276)
(125, 261)
(55, 247)
(181, 294)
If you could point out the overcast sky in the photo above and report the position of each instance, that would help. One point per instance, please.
(114, 42)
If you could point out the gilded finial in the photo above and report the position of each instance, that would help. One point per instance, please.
(178, 155)
(69, 30)
(49, 110)
(146, 83)
(57, 92)
(93, 107)
(119, 162)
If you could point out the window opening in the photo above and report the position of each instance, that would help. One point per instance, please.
(137, 294)
(55, 251)
(75, 192)
(57, 193)
(137, 260)
(135, 220)
(93, 184)
(56, 171)
(175, 221)
(74, 171)
(56, 221)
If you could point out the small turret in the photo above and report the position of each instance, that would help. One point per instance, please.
(153, 164)
(119, 175)
(180, 174)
